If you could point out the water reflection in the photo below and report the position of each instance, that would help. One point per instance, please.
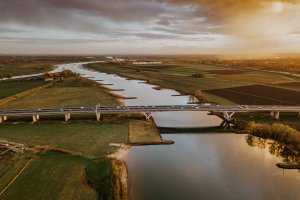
(210, 166)
(274, 148)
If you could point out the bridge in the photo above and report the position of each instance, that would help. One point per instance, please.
(228, 111)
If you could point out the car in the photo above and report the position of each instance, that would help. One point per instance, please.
(259, 107)
(273, 107)
(229, 107)
(82, 107)
(197, 107)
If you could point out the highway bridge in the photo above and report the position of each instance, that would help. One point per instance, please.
(228, 111)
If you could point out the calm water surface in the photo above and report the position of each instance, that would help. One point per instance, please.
(210, 166)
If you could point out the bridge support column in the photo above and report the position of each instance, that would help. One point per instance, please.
(147, 115)
(4, 118)
(0, 120)
(272, 113)
(34, 118)
(37, 117)
(228, 115)
(98, 116)
(277, 115)
(67, 117)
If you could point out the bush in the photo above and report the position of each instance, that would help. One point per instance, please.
(101, 179)
(1, 76)
(138, 70)
(198, 75)
(8, 75)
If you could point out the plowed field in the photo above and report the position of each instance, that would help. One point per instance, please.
(227, 72)
(294, 84)
(262, 95)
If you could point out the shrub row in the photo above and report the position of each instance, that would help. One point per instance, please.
(280, 132)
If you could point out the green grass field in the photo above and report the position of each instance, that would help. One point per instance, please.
(17, 69)
(78, 92)
(52, 176)
(89, 139)
(14, 86)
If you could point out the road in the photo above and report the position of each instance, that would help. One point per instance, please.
(149, 109)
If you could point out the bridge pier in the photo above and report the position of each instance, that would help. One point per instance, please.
(272, 113)
(277, 115)
(0, 120)
(98, 116)
(147, 115)
(34, 118)
(4, 118)
(67, 117)
(228, 115)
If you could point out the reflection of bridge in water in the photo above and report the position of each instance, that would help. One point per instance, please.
(227, 111)
(225, 126)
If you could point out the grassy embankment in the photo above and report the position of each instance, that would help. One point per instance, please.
(80, 137)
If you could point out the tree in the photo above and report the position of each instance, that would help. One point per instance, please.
(199, 95)
(8, 75)
(1, 76)
(138, 69)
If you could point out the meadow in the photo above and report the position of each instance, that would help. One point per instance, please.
(14, 86)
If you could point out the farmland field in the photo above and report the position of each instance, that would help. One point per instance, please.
(293, 84)
(227, 72)
(178, 76)
(262, 95)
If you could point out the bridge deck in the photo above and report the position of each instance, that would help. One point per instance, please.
(149, 109)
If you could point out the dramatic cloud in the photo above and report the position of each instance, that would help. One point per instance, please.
(251, 18)
(19, 40)
(150, 20)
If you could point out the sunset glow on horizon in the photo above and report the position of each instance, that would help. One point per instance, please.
(149, 26)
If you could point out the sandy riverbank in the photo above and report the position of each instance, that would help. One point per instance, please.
(120, 155)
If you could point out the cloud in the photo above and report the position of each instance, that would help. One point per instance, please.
(178, 47)
(248, 18)
(164, 22)
(12, 30)
(19, 40)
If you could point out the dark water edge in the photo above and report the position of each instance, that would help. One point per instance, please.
(211, 166)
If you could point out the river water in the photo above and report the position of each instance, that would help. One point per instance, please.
(198, 166)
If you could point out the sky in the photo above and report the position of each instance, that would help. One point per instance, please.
(149, 26)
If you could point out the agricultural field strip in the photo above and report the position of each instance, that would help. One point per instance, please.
(148, 109)
(171, 73)
(261, 97)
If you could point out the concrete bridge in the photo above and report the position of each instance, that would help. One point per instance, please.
(227, 111)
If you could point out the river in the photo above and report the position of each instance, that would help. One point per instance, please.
(198, 166)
